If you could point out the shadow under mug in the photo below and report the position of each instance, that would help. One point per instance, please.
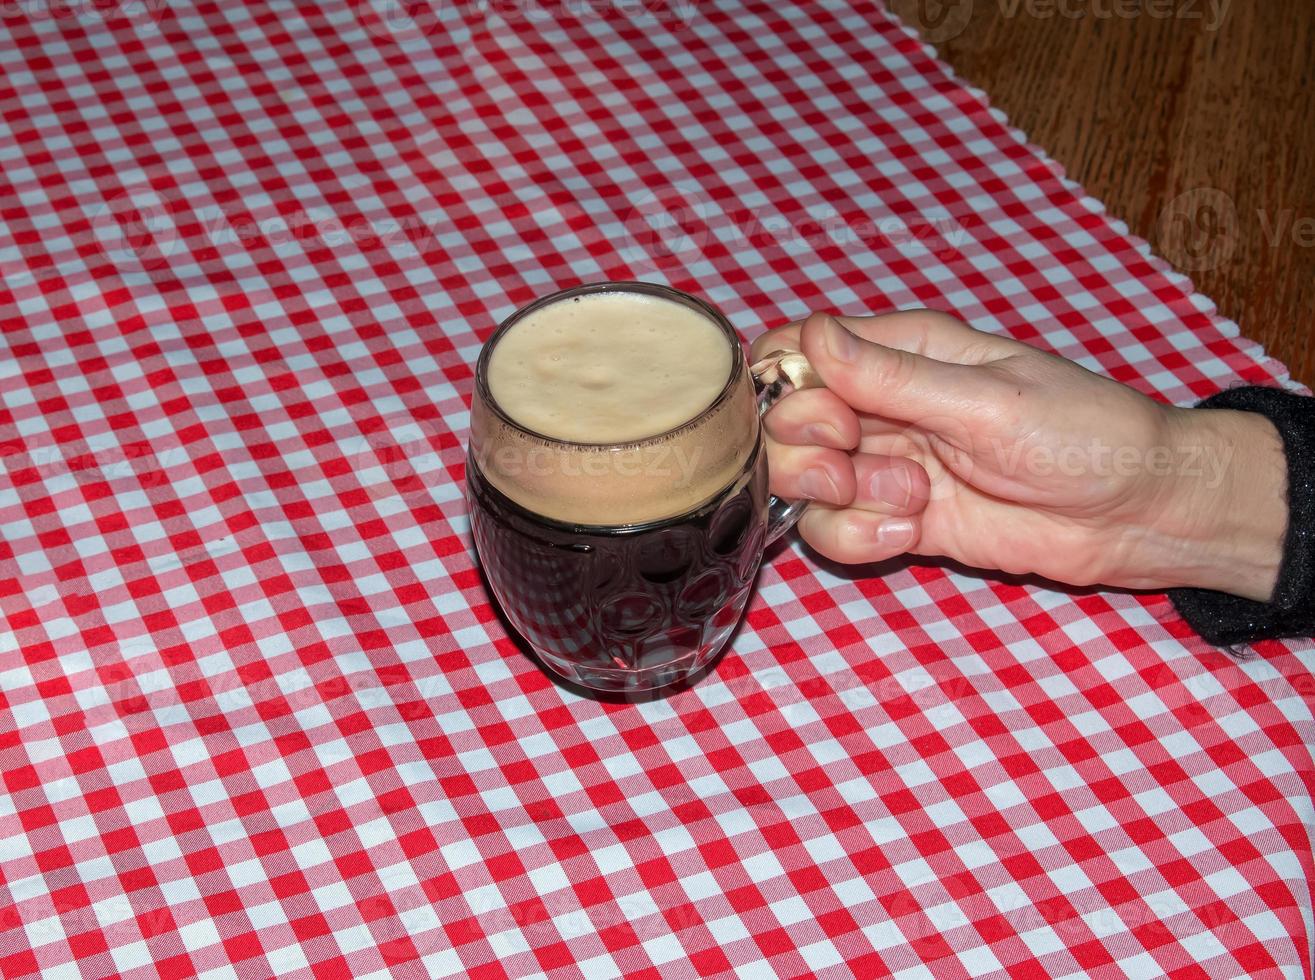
(629, 607)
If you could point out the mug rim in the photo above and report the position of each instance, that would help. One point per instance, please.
(738, 363)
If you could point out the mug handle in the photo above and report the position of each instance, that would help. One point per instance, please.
(775, 375)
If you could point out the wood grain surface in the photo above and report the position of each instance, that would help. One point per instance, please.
(1193, 120)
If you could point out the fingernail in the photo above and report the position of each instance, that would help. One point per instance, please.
(823, 434)
(842, 344)
(817, 484)
(892, 486)
(895, 533)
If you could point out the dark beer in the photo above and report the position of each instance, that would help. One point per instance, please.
(620, 608)
(617, 481)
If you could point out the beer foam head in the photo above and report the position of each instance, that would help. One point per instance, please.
(609, 368)
(617, 404)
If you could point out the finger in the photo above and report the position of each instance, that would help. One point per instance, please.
(890, 485)
(780, 338)
(894, 383)
(891, 437)
(813, 416)
(927, 332)
(810, 473)
(854, 537)
(931, 334)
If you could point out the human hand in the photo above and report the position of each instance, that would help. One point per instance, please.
(936, 439)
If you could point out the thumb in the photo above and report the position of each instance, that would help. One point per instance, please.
(887, 381)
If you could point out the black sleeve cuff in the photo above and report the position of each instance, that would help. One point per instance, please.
(1226, 620)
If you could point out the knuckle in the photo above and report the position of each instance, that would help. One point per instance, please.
(775, 339)
(945, 320)
(895, 370)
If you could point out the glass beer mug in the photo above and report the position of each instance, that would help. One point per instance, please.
(625, 557)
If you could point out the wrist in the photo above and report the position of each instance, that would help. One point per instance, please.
(1219, 519)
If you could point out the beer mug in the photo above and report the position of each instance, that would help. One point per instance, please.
(625, 560)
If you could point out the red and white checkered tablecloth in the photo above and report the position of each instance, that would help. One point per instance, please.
(258, 716)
